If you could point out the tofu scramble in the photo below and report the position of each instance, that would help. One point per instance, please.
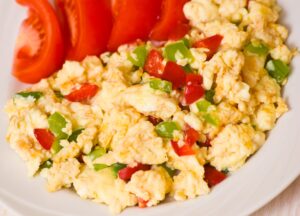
(129, 128)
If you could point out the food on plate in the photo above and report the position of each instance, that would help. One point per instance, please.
(152, 120)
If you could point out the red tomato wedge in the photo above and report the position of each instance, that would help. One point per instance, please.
(174, 74)
(211, 43)
(154, 64)
(191, 135)
(44, 137)
(89, 24)
(39, 50)
(134, 21)
(171, 22)
(126, 173)
(84, 93)
(184, 150)
(142, 203)
(212, 176)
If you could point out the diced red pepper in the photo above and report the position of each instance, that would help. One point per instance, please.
(193, 79)
(192, 93)
(126, 173)
(154, 121)
(84, 93)
(212, 176)
(174, 74)
(171, 22)
(191, 135)
(44, 137)
(142, 203)
(211, 43)
(154, 64)
(184, 150)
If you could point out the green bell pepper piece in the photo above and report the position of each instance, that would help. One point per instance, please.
(162, 85)
(278, 70)
(203, 105)
(257, 48)
(98, 167)
(166, 129)
(35, 95)
(74, 135)
(46, 165)
(98, 152)
(138, 57)
(209, 95)
(179, 50)
(56, 147)
(117, 167)
(56, 124)
(211, 119)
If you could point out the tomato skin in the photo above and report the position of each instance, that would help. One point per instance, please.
(191, 135)
(142, 203)
(126, 173)
(154, 64)
(212, 43)
(84, 93)
(172, 18)
(134, 21)
(89, 24)
(44, 137)
(49, 56)
(184, 150)
(174, 74)
(212, 176)
(179, 31)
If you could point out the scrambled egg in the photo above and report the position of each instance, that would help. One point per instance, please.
(113, 128)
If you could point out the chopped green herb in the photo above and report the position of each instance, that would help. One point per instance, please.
(74, 135)
(166, 129)
(35, 95)
(171, 171)
(56, 125)
(211, 119)
(58, 94)
(138, 57)
(46, 165)
(209, 95)
(56, 147)
(162, 85)
(257, 48)
(187, 68)
(98, 167)
(178, 50)
(117, 167)
(98, 152)
(278, 70)
(203, 105)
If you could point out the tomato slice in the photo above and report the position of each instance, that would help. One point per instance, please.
(127, 172)
(39, 50)
(44, 137)
(142, 203)
(175, 74)
(170, 24)
(191, 135)
(154, 64)
(184, 150)
(211, 43)
(134, 21)
(84, 93)
(212, 176)
(89, 25)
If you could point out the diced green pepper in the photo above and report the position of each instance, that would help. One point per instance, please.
(257, 48)
(138, 57)
(98, 152)
(278, 70)
(56, 147)
(203, 105)
(117, 167)
(56, 124)
(35, 95)
(166, 129)
(178, 50)
(186, 42)
(46, 165)
(98, 167)
(209, 95)
(162, 85)
(170, 171)
(211, 119)
(187, 68)
(74, 135)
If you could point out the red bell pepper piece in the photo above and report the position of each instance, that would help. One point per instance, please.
(174, 74)
(84, 93)
(154, 64)
(171, 22)
(193, 79)
(211, 43)
(127, 172)
(192, 93)
(191, 135)
(184, 150)
(134, 20)
(44, 137)
(142, 203)
(212, 176)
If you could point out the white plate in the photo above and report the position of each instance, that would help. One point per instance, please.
(265, 175)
